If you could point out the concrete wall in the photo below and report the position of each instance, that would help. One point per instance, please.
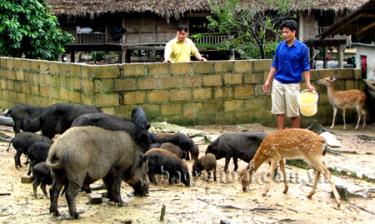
(225, 92)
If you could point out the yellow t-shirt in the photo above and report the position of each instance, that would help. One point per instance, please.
(180, 51)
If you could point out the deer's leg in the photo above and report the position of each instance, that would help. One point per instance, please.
(334, 117)
(327, 175)
(359, 116)
(320, 167)
(282, 168)
(343, 117)
(316, 180)
(272, 170)
(363, 112)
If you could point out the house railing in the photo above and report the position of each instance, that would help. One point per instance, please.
(321, 29)
(102, 37)
(95, 38)
(210, 38)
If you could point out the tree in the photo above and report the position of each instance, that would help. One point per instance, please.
(28, 29)
(255, 30)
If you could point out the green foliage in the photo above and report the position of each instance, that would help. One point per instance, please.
(97, 55)
(250, 50)
(28, 29)
(255, 32)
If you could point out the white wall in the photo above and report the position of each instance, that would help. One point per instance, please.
(369, 51)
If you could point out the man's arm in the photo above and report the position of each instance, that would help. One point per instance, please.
(306, 69)
(168, 52)
(267, 83)
(271, 74)
(196, 53)
(307, 75)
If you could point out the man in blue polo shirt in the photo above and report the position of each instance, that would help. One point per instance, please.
(290, 62)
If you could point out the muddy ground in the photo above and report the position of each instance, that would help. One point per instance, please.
(212, 202)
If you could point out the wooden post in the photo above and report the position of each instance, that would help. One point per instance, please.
(162, 213)
(300, 27)
(123, 47)
(340, 52)
(106, 33)
(325, 57)
(72, 59)
(311, 56)
(123, 54)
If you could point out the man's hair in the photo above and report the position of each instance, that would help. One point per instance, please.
(291, 24)
(182, 27)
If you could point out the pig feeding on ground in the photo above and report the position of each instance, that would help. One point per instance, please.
(21, 113)
(42, 176)
(174, 149)
(57, 118)
(110, 122)
(241, 145)
(160, 161)
(206, 162)
(83, 155)
(184, 142)
(22, 141)
(37, 153)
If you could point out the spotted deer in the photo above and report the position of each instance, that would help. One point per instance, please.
(352, 98)
(290, 144)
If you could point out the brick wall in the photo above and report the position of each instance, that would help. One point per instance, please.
(225, 92)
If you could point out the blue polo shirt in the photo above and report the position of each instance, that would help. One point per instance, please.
(291, 61)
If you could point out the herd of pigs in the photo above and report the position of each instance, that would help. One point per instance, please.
(94, 145)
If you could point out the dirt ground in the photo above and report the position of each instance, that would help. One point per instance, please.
(209, 201)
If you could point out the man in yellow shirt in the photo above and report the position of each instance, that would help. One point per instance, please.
(181, 48)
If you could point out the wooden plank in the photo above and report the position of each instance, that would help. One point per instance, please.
(145, 47)
(366, 28)
(93, 47)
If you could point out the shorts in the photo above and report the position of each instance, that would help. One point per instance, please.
(285, 98)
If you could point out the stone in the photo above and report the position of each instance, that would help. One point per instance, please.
(96, 198)
(331, 139)
(343, 192)
(26, 179)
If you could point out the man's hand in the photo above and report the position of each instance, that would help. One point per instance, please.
(167, 61)
(203, 59)
(266, 87)
(310, 87)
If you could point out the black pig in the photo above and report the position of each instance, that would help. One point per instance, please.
(185, 143)
(206, 162)
(22, 141)
(139, 118)
(37, 153)
(160, 161)
(241, 145)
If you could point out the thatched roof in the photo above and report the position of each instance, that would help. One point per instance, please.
(175, 8)
(169, 8)
(358, 23)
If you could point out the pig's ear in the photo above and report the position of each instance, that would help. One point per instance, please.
(143, 158)
(144, 137)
